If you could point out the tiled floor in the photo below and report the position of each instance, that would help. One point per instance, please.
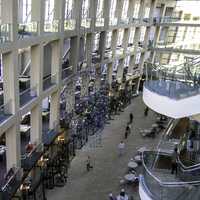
(109, 168)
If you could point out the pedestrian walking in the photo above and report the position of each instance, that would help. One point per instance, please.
(88, 164)
(174, 161)
(121, 147)
(127, 131)
(131, 118)
(146, 111)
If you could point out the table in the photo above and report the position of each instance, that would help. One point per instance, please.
(130, 177)
(138, 158)
(132, 164)
(142, 149)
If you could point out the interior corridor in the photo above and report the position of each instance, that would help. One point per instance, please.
(109, 168)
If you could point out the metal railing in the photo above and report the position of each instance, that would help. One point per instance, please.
(176, 82)
(11, 185)
(5, 108)
(49, 81)
(69, 24)
(27, 29)
(5, 33)
(27, 95)
(52, 26)
(161, 190)
(86, 23)
(100, 22)
(113, 21)
(67, 72)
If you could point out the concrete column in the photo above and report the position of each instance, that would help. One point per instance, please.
(141, 65)
(10, 81)
(54, 109)
(93, 10)
(114, 41)
(120, 70)
(77, 9)
(119, 10)
(36, 70)
(107, 5)
(141, 10)
(10, 16)
(131, 8)
(131, 64)
(157, 32)
(109, 73)
(38, 14)
(102, 43)
(56, 60)
(74, 52)
(36, 124)
(59, 12)
(13, 147)
(126, 39)
(89, 42)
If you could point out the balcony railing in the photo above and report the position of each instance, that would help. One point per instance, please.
(86, 23)
(49, 81)
(52, 26)
(28, 29)
(4, 111)
(27, 95)
(49, 137)
(5, 33)
(67, 72)
(124, 21)
(69, 24)
(113, 21)
(29, 160)
(12, 184)
(158, 189)
(99, 22)
(176, 82)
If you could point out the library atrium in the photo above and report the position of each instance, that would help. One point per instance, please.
(99, 100)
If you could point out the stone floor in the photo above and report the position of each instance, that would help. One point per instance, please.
(109, 168)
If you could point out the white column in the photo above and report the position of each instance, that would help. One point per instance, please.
(38, 14)
(13, 154)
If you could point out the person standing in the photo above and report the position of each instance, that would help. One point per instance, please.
(111, 197)
(131, 118)
(88, 164)
(146, 111)
(174, 161)
(121, 147)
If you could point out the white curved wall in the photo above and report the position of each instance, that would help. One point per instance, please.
(172, 108)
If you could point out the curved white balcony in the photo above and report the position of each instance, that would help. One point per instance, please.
(172, 98)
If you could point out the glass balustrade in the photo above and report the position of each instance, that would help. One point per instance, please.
(113, 21)
(160, 184)
(69, 24)
(175, 82)
(52, 26)
(5, 33)
(27, 30)
(27, 95)
(4, 111)
(86, 23)
(49, 81)
(99, 22)
(12, 184)
(67, 72)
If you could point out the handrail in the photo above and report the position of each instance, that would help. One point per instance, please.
(189, 168)
(168, 184)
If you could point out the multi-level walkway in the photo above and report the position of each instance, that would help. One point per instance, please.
(108, 167)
